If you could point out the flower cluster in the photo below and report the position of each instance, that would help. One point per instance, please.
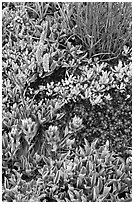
(29, 128)
(76, 122)
(94, 83)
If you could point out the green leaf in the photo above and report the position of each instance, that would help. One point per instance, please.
(104, 153)
(82, 152)
(6, 184)
(62, 195)
(79, 166)
(46, 62)
(4, 141)
(53, 66)
(76, 192)
(42, 196)
(118, 173)
(84, 198)
(94, 179)
(128, 181)
(71, 195)
(32, 78)
(59, 164)
(17, 164)
(64, 156)
(16, 173)
(87, 147)
(93, 144)
(105, 192)
(100, 184)
(89, 166)
(57, 177)
(107, 144)
(102, 172)
(46, 160)
(59, 116)
(66, 130)
(83, 170)
(79, 182)
(95, 193)
(45, 176)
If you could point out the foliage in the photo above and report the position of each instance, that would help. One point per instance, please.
(103, 27)
(90, 175)
(67, 113)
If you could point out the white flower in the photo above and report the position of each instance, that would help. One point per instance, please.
(69, 142)
(52, 130)
(14, 130)
(77, 122)
(29, 128)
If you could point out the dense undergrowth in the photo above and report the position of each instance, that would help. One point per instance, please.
(67, 102)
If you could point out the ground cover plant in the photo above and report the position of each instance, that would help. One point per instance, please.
(66, 102)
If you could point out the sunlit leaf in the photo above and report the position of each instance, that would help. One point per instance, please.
(95, 193)
(46, 62)
(57, 177)
(94, 179)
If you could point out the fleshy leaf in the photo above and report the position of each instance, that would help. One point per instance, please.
(46, 62)
(57, 177)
